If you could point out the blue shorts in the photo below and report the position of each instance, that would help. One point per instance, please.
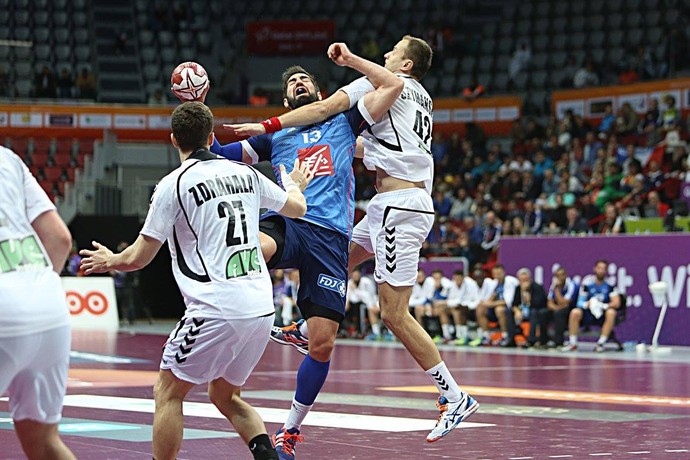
(320, 255)
(588, 318)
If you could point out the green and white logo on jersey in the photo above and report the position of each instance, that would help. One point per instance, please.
(21, 254)
(243, 263)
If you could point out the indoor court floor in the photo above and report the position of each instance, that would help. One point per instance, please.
(377, 404)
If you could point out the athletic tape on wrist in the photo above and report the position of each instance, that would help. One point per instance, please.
(288, 183)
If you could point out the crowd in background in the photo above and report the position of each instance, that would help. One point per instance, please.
(568, 177)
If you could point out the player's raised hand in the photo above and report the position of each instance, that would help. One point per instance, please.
(95, 261)
(301, 174)
(246, 129)
(340, 54)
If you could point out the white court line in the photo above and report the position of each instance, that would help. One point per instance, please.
(676, 450)
(520, 458)
(601, 454)
(640, 452)
(270, 415)
(560, 456)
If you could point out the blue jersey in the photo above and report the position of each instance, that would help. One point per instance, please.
(330, 147)
(590, 289)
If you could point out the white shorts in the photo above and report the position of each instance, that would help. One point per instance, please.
(394, 229)
(33, 368)
(200, 350)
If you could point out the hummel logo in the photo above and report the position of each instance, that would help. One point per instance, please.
(252, 447)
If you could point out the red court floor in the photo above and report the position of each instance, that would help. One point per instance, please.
(377, 404)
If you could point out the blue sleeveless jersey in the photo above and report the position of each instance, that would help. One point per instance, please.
(330, 147)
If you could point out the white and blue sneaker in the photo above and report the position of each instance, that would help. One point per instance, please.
(452, 413)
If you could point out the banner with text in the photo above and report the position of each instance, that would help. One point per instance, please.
(634, 263)
(273, 38)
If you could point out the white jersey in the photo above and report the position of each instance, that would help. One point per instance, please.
(400, 143)
(208, 211)
(430, 288)
(32, 298)
(487, 289)
(467, 294)
(364, 292)
(418, 297)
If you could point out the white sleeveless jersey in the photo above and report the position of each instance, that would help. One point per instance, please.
(32, 297)
(208, 211)
(400, 144)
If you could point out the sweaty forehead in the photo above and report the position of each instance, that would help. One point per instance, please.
(298, 76)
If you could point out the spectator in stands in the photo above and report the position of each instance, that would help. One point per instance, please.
(361, 293)
(528, 304)
(520, 60)
(280, 297)
(560, 299)
(655, 176)
(608, 122)
(463, 205)
(475, 134)
(439, 150)
(531, 186)
(533, 218)
(613, 223)
(574, 225)
(597, 304)
(259, 97)
(633, 178)
(494, 308)
(533, 129)
(626, 121)
(463, 297)
(586, 76)
(45, 83)
(442, 203)
(677, 48)
(541, 163)
(569, 72)
(549, 183)
(73, 262)
(474, 232)
(670, 117)
(86, 84)
(628, 75)
(651, 122)
(465, 248)
(654, 206)
(491, 235)
(65, 83)
(181, 15)
(419, 303)
(588, 210)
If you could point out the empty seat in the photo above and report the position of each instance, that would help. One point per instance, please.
(39, 159)
(595, 23)
(61, 36)
(540, 43)
(52, 173)
(485, 63)
(615, 38)
(62, 158)
(538, 79)
(81, 36)
(596, 39)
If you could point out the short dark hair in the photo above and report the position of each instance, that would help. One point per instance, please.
(420, 53)
(437, 270)
(290, 71)
(459, 272)
(192, 122)
(601, 261)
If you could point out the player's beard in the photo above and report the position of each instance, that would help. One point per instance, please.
(303, 100)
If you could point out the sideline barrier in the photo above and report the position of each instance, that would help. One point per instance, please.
(137, 122)
(590, 102)
(92, 303)
(635, 262)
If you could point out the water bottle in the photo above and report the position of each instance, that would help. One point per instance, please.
(525, 312)
(582, 296)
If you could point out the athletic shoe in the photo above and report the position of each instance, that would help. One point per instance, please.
(505, 342)
(388, 336)
(285, 441)
(569, 347)
(461, 342)
(437, 339)
(290, 335)
(452, 413)
(480, 342)
(373, 337)
(599, 348)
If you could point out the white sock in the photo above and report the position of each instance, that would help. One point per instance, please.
(445, 328)
(461, 332)
(296, 416)
(376, 329)
(304, 329)
(572, 340)
(287, 312)
(602, 339)
(440, 375)
(485, 334)
(504, 335)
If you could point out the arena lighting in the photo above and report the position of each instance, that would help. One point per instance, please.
(658, 291)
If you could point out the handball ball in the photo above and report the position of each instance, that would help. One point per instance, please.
(189, 82)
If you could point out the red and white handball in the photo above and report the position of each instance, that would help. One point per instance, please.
(189, 82)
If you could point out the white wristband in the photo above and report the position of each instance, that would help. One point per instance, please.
(288, 183)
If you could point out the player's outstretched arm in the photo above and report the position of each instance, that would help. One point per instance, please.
(295, 183)
(232, 151)
(388, 85)
(134, 257)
